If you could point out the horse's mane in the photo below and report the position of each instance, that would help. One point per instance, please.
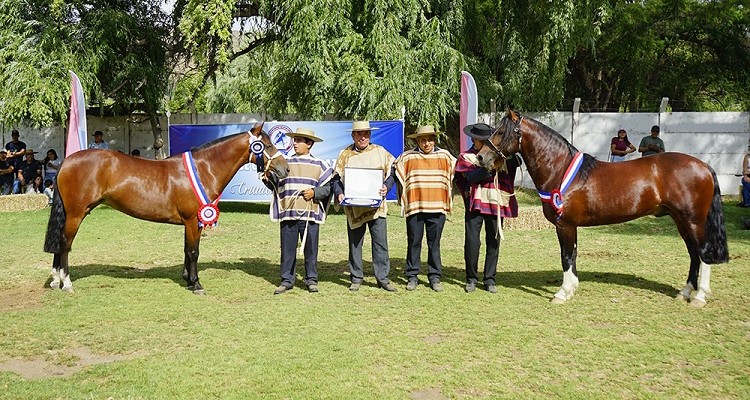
(555, 141)
(217, 141)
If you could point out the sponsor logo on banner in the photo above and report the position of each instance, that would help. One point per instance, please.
(280, 139)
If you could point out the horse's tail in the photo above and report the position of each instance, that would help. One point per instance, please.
(54, 241)
(714, 249)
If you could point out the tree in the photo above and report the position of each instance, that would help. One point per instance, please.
(696, 53)
(117, 48)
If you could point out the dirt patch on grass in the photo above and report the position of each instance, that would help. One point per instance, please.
(59, 363)
(27, 297)
(428, 394)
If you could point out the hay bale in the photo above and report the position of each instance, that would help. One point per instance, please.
(23, 202)
(529, 218)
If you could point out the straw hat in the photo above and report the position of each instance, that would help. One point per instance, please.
(304, 133)
(424, 130)
(358, 126)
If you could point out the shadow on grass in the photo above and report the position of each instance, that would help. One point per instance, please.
(539, 283)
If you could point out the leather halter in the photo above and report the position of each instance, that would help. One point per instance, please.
(516, 130)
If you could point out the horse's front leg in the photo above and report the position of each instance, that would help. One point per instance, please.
(568, 238)
(190, 267)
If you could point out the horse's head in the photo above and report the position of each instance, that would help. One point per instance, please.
(270, 161)
(506, 140)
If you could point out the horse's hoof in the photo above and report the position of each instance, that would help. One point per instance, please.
(68, 289)
(54, 287)
(199, 292)
(696, 303)
(680, 297)
(557, 300)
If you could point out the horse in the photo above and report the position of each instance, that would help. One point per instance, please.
(154, 190)
(578, 190)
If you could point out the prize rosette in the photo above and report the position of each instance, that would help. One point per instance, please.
(208, 214)
(557, 200)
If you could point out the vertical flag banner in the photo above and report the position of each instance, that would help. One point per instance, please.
(468, 108)
(77, 139)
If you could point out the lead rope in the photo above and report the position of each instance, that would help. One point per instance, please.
(308, 210)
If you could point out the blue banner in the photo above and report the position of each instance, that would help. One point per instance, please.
(245, 185)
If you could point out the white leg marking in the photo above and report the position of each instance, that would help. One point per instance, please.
(568, 288)
(55, 284)
(684, 294)
(704, 281)
(67, 284)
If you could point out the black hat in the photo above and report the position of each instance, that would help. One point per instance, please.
(98, 133)
(655, 128)
(479, 131)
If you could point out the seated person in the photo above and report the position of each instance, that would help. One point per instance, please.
(49, 190)
(36, 186)
(28, 170)
(6, 173)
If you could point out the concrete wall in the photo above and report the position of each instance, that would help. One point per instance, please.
(719, 139)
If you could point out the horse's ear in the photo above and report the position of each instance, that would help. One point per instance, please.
(512, 115)
(258, 128)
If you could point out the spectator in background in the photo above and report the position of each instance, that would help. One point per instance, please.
(49, 190)
(620, 146)
(651, 144)
(36, 186)
(135, 153)
(29, 169)
(99, 142)
(51, 165)
(745, 180)
(6, 173)
(16, 150)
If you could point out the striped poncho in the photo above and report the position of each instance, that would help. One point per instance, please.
(375, 157)
(425, 181)
(305, 172)
(485, 196)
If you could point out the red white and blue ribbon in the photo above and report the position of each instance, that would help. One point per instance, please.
(555, 197)
(208, 213)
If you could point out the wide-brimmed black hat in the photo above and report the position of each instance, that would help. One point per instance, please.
(479, 131)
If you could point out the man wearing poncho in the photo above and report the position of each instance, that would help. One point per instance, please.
(363, 154)
(425, 177)
(488, 196)
(300, 208)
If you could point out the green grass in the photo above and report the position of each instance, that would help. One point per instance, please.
(621, 336)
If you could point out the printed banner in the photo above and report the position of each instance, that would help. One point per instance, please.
(245, 186)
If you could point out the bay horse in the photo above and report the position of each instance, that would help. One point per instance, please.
(153, 190)
(578, 190)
